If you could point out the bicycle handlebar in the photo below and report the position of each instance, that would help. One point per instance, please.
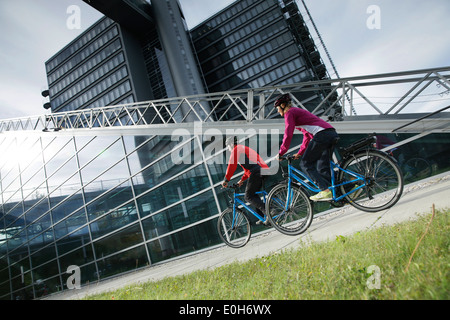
(234, 186)
(289, 158)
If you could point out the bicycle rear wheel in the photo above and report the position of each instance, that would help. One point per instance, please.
(298, 216)
(383, 181)
(234, 229)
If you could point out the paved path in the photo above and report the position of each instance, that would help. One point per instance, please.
(417, 199)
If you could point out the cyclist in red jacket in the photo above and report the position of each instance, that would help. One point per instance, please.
(252, 163)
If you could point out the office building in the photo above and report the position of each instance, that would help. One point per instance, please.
(258, 43)
(141, 52)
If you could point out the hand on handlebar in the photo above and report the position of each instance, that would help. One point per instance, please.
(293, 157)
(235, 185)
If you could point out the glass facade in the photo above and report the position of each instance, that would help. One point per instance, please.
(105, 204)
(111, 204)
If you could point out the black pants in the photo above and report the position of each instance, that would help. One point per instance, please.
(316, 159)
(254, 183)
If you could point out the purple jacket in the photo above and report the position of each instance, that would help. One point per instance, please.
(308, 124)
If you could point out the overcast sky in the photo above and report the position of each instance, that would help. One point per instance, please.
(399, 35)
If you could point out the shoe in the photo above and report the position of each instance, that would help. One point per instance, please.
(355, 194)
(322, 196)
(265, 222)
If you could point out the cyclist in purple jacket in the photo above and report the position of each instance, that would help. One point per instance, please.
(318, 136)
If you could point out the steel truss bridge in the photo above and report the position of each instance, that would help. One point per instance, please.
(380, 103)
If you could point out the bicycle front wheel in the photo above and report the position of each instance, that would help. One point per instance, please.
(292, 219)
(383, 181)
(234, 229)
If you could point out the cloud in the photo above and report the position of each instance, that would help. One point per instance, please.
(196, 11)
(19, 100)
(413, 35)
(32, 32)
(406, 41)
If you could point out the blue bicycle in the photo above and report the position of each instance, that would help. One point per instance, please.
(366, 178)
(233, 224)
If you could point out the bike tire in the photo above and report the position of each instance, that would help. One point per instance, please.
(384, 180)
(299, 215)
(234, 235)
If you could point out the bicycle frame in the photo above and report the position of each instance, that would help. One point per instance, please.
(238, 201)
(299, 177)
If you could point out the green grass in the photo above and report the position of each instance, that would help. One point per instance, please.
(331, 270)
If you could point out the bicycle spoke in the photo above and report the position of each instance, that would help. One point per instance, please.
(234, 229)
(298, 215)
(383, 181)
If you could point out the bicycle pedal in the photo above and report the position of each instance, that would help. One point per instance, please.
(265, 223)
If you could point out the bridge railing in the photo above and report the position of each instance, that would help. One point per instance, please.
(380, 94)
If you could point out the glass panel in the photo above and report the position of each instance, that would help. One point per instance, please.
(18, 263)
(120, 240)
(36, 211)
(34, 187)
(75, 240)
(224, 201)
(125, 261)
(68, 225)
(192, 239)
(66, 175)
(32, 160)
(4, 288)
(169, 166)
(114, 220)
(89, 148)
(418, 159)
(11, 185)
(45, 285)
(66, 206)
(217, 171)
(108, 179)
(13, 220)
(77, 257)
(181, 215)
(151, 150)
(20, 291)
(57, 152)
(175, 190)
(99, 203)
(41, 240)
(16, 240)
(98, 156)
(131, 142)
(42, 256)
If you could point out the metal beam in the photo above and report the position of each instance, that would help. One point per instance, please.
(357, 125)
(236, 105)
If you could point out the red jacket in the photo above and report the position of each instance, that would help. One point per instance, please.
(247, 158)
